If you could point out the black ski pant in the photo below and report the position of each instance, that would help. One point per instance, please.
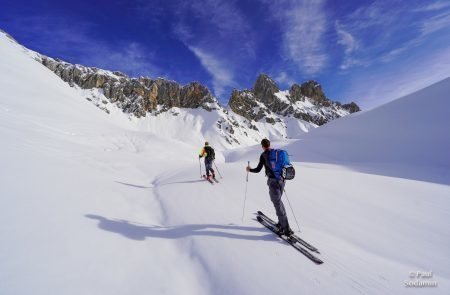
(208, 166)
(276, 191)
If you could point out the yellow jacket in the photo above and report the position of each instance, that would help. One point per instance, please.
(203, 152)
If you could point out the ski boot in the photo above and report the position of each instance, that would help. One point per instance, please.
(286, 232)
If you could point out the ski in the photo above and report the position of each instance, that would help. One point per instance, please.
(301, 241)
(209, 180)
(289, 240)
(215, 180)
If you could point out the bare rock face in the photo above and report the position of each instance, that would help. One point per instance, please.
(244, 103)
(265, 101)
(296, 93)
(306, 102)
(265, 88)
(351, 107)
(153, 96)
(313, 90)
(134, 95)
(195, 95)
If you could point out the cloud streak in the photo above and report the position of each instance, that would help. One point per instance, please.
(350, 45)
(400, 80)
(435, 23)
(393, 30)
(217, 33)
(438, 5)
(222, 76)
(131, 58)
(303, 25)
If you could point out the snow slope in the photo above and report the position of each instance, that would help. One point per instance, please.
(381, 179)
(407, 137)
(96, 204)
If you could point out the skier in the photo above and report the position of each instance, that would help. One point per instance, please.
(208, 153)
(275, 187)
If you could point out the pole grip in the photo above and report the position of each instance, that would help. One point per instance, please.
(248, 165)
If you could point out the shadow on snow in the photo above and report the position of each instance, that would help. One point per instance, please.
(141, 232)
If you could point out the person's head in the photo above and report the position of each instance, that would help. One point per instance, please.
(265, 144)
(206, 143)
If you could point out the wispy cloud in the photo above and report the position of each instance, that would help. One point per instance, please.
(435, 23)
(218, 34)
(346, 39)
(377, 19)
(424, 28)
(284, 79)
(224, 20)
(303, 25)
(437, 5)
(131, 58)
(222, 76)
(399, 80)
(378, 12)
(393, 30)
(350, 45)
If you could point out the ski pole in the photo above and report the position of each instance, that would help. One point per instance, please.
(245, 196)
(217, 169)
(200, 165)
(295, 218)
(247, 171)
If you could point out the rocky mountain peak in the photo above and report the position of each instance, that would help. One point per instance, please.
(264, 88)
(134, 95)
(312, 89)
(306, 101)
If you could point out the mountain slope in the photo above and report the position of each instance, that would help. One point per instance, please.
(156, 103)
(63, 159)
(406, 137)
(94, 203)
(153, 103)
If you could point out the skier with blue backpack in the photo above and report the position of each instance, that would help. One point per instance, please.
(278, 169)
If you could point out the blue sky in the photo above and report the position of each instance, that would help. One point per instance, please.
(364, 51)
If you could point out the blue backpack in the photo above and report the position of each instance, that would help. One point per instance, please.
(280, 164)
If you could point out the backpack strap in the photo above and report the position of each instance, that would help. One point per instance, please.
(268, 166)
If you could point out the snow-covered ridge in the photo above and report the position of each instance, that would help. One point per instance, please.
(306, 102)
(152, 103)
(411, 132)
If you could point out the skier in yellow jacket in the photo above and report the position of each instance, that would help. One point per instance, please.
(208, 153)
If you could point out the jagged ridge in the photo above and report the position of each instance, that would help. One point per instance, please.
(306, 102)
(143, 95)
(134, 95)
(146, 97)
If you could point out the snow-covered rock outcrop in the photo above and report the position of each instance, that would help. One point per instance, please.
(306, 102)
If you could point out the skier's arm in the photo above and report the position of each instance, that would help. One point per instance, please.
(202, 153)
(260, 165)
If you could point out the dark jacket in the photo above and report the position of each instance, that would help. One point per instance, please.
(264, 161)
(208, 153)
